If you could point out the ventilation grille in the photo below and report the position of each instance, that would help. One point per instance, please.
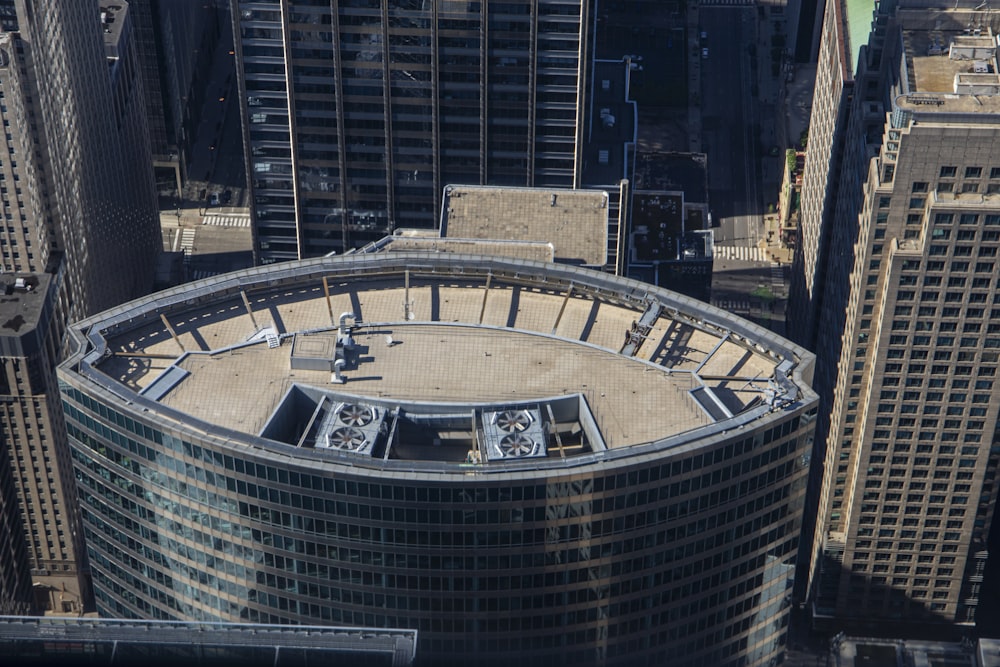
(355, 415)
(346, 439)
(513, 433)
(351, 428)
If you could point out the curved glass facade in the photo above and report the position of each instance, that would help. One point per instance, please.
(677, 552)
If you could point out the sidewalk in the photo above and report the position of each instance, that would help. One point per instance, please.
(776, 250)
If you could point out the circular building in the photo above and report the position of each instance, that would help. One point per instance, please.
(519, 460)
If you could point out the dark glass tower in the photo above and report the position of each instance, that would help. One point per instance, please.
(358, 113)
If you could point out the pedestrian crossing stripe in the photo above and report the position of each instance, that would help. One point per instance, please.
(198, 275)
(741, 253)
(736, 306)
(226, 220)
(724, 3)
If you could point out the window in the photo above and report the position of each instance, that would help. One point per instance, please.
(948, 172)
(919, 186)
(973, 172)
(917, 202)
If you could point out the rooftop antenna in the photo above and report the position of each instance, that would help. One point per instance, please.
(750, 383)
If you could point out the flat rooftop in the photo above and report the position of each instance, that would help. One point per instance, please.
(871, 652)
(113, 14)
(575, 222)
(106, 641)
(951, 62)
(22, 300)
(441, 330)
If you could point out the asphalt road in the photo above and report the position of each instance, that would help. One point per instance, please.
(731, 125)
(213, 239)
(740, 122)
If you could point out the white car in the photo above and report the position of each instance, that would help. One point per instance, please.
(704, 53)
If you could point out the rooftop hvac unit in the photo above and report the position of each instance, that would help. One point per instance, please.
(513, 433)
(350, 427)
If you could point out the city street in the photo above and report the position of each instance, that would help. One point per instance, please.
(730, 123)
(213, 237)
(742, 135)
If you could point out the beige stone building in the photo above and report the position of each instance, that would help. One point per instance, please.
(909, 478)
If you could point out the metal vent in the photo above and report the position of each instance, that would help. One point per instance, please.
(513, 432)
(353, 428)
(517, 445)
(513, 421)
(355, 415)
(347, 439)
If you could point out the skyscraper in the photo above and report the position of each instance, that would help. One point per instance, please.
(526, 462)
(827, 125)
(79, 233)
(909, 471)
(359, 113)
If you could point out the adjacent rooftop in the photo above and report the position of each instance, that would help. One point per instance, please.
(950, 62)
(575, 222)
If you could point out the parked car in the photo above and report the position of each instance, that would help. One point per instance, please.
(214, 199)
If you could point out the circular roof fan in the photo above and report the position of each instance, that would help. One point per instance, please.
(356, 415)
(516, 445)
(349, 439)
(513, 421)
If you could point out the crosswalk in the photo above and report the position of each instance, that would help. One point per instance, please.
(731, 3)
(226, 220)
(732, 305)
(199, 274)
(777, 278)
(187, 241)
(742, 253)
